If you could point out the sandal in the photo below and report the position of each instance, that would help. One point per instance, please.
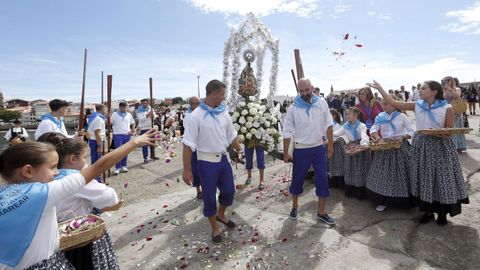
(261, 187)
(217, 239)
(248, 181)
(230, 224)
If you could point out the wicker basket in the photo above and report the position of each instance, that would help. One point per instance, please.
(82, 238)
(352, 151)
(444, 131)
(385, 145)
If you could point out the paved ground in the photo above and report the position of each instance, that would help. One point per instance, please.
(162, 226)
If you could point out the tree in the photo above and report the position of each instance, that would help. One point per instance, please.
(7, 115)
(177, 100)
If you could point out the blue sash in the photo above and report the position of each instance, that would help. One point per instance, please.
(437, 104)
(383, 119)
(212, 112)
(56, 121)
(353, 129)
(302, 104)
(122, 114)
(21, 207)
(142, 109)
(94, 115)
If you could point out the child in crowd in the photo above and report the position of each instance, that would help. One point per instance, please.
(437, 181)
(388, 181)
(72, 158)
(336, 165)
(358, 164)
(28, 220)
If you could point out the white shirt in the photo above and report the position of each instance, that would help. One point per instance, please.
(424, 122)
(97, 123)
(49, 126)
(45, 242)
(92, 195)
(415, 95)
(308, 129)
(22, 131)
(121, 125)
(361, 129)
(207, 134)
(144, 121)
(402, 126)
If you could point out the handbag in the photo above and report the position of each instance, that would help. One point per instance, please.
(459, 106)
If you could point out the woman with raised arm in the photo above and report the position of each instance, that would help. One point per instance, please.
(437, 181)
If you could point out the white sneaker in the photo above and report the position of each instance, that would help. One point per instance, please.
(116, 172)
(381, 208)
(123, 170)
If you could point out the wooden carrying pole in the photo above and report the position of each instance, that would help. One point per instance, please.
(294, 80)
(298, 64)
(152, 149)
(109, 110)
(103, 145)
(82, 103)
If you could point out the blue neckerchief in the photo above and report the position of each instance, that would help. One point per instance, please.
(21, 206)
(212, 112)
(64, 172)
(383, 118)
(122, 114)
(302, 104)
(142, 109)
(49, 116)
(353, 129)
(94, 115)
(437, 104)
(190, 110)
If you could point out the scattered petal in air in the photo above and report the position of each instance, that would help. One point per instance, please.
(346, 36)
(358, 45)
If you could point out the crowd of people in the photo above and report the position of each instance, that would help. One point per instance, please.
(424, 172)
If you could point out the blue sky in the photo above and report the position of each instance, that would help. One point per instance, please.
(404, 42)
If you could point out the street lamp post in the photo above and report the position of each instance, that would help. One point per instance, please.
(198, 85)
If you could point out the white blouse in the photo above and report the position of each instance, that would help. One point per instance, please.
(424, 122)
(361, 129)
(402, 126)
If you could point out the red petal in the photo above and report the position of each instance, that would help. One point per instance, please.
(149, 238)
(165, 206)
(358, 45)
(345, 36)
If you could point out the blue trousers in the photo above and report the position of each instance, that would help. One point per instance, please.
(215, 175)
(302, 160)
(145, 148)
(119, 140)
(94, 155)
(260, 152)
(196, 178)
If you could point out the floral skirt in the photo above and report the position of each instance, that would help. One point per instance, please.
(388, 181)
(356, 173)
(57, 261)
(437, 181)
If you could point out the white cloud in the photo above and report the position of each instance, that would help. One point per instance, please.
(302, 8)
(467, 20)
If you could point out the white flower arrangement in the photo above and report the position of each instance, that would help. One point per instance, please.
(255, 125)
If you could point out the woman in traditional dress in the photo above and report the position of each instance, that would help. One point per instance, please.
(388, 181)
(437, 181)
